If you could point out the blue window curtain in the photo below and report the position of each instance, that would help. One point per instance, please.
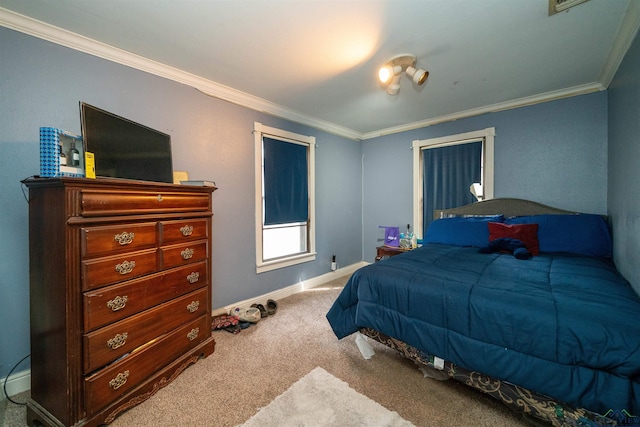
(286, 189)
(448, 172)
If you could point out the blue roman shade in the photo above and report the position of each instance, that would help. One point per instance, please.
(286, 188)
(448, 173)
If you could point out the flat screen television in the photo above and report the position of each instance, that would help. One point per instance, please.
(125, 149)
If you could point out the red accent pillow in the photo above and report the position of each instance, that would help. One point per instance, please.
(526, 233)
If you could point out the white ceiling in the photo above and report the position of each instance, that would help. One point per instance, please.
(315, 61)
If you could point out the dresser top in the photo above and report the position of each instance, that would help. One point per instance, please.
(112, 182)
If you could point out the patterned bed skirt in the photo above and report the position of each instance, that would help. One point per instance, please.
(556, 413)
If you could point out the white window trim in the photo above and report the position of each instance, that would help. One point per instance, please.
(487, 135)
(260, 130)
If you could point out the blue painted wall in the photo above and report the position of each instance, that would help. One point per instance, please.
(41, 84)
(554, 153)
(624, 165)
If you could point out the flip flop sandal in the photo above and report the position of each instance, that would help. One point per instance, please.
(263, 311)
(272, 307)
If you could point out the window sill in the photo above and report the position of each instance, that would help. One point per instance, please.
(286, 262)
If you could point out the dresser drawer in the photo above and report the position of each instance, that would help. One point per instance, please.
(97, 241)
(110, 304)
(104, 271)
(111, 342)
(175, 255)
(183, 230)
(105, 202)
(114, 381)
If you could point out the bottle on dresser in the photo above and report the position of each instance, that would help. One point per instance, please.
(63, 157)
(74, 155)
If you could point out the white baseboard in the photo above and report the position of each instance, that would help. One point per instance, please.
(303, 285)
(17, 383)
(21, 381)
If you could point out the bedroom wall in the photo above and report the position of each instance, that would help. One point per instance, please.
(41, 85)
(624, 165)
(554, 153)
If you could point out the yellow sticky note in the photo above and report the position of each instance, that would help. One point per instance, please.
(180, 176)
(89, 165)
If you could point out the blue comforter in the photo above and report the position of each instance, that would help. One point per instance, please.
(562, 325)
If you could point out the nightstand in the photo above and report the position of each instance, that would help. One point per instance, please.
(389, 251)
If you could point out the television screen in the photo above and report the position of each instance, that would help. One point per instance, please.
(125, 149)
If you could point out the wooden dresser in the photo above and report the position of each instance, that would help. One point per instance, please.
(120, 293)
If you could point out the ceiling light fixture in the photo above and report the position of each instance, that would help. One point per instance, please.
(389, 74)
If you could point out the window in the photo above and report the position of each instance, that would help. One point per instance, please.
(454, 163)
(285, 198)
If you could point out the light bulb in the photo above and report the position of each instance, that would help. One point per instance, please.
(384, 74)
(387, 72)
(418, 75)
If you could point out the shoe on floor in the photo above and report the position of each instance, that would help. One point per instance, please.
(234, 329)
(263, 311)
(272, 307)
(250, 314)
(244, 325)
(223, 321)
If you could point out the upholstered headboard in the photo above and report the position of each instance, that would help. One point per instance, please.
(557, 230)
(506, 206)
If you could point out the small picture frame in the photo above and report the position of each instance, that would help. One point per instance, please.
(61, 153)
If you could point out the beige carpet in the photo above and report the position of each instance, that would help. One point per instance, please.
(250, 369)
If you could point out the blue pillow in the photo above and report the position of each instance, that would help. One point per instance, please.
(582, 234)
(461, 231)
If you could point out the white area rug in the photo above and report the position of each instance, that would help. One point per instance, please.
(320, 399)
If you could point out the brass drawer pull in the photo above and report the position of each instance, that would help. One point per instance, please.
(193, 307)
(119, 380)
(117, 303)
(193, 277)
(124, 238)
(118, 341)
(193, 334)
(126, 267)
(186, 230)
(187, 253)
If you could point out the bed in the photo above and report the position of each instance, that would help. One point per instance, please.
(515, 298)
